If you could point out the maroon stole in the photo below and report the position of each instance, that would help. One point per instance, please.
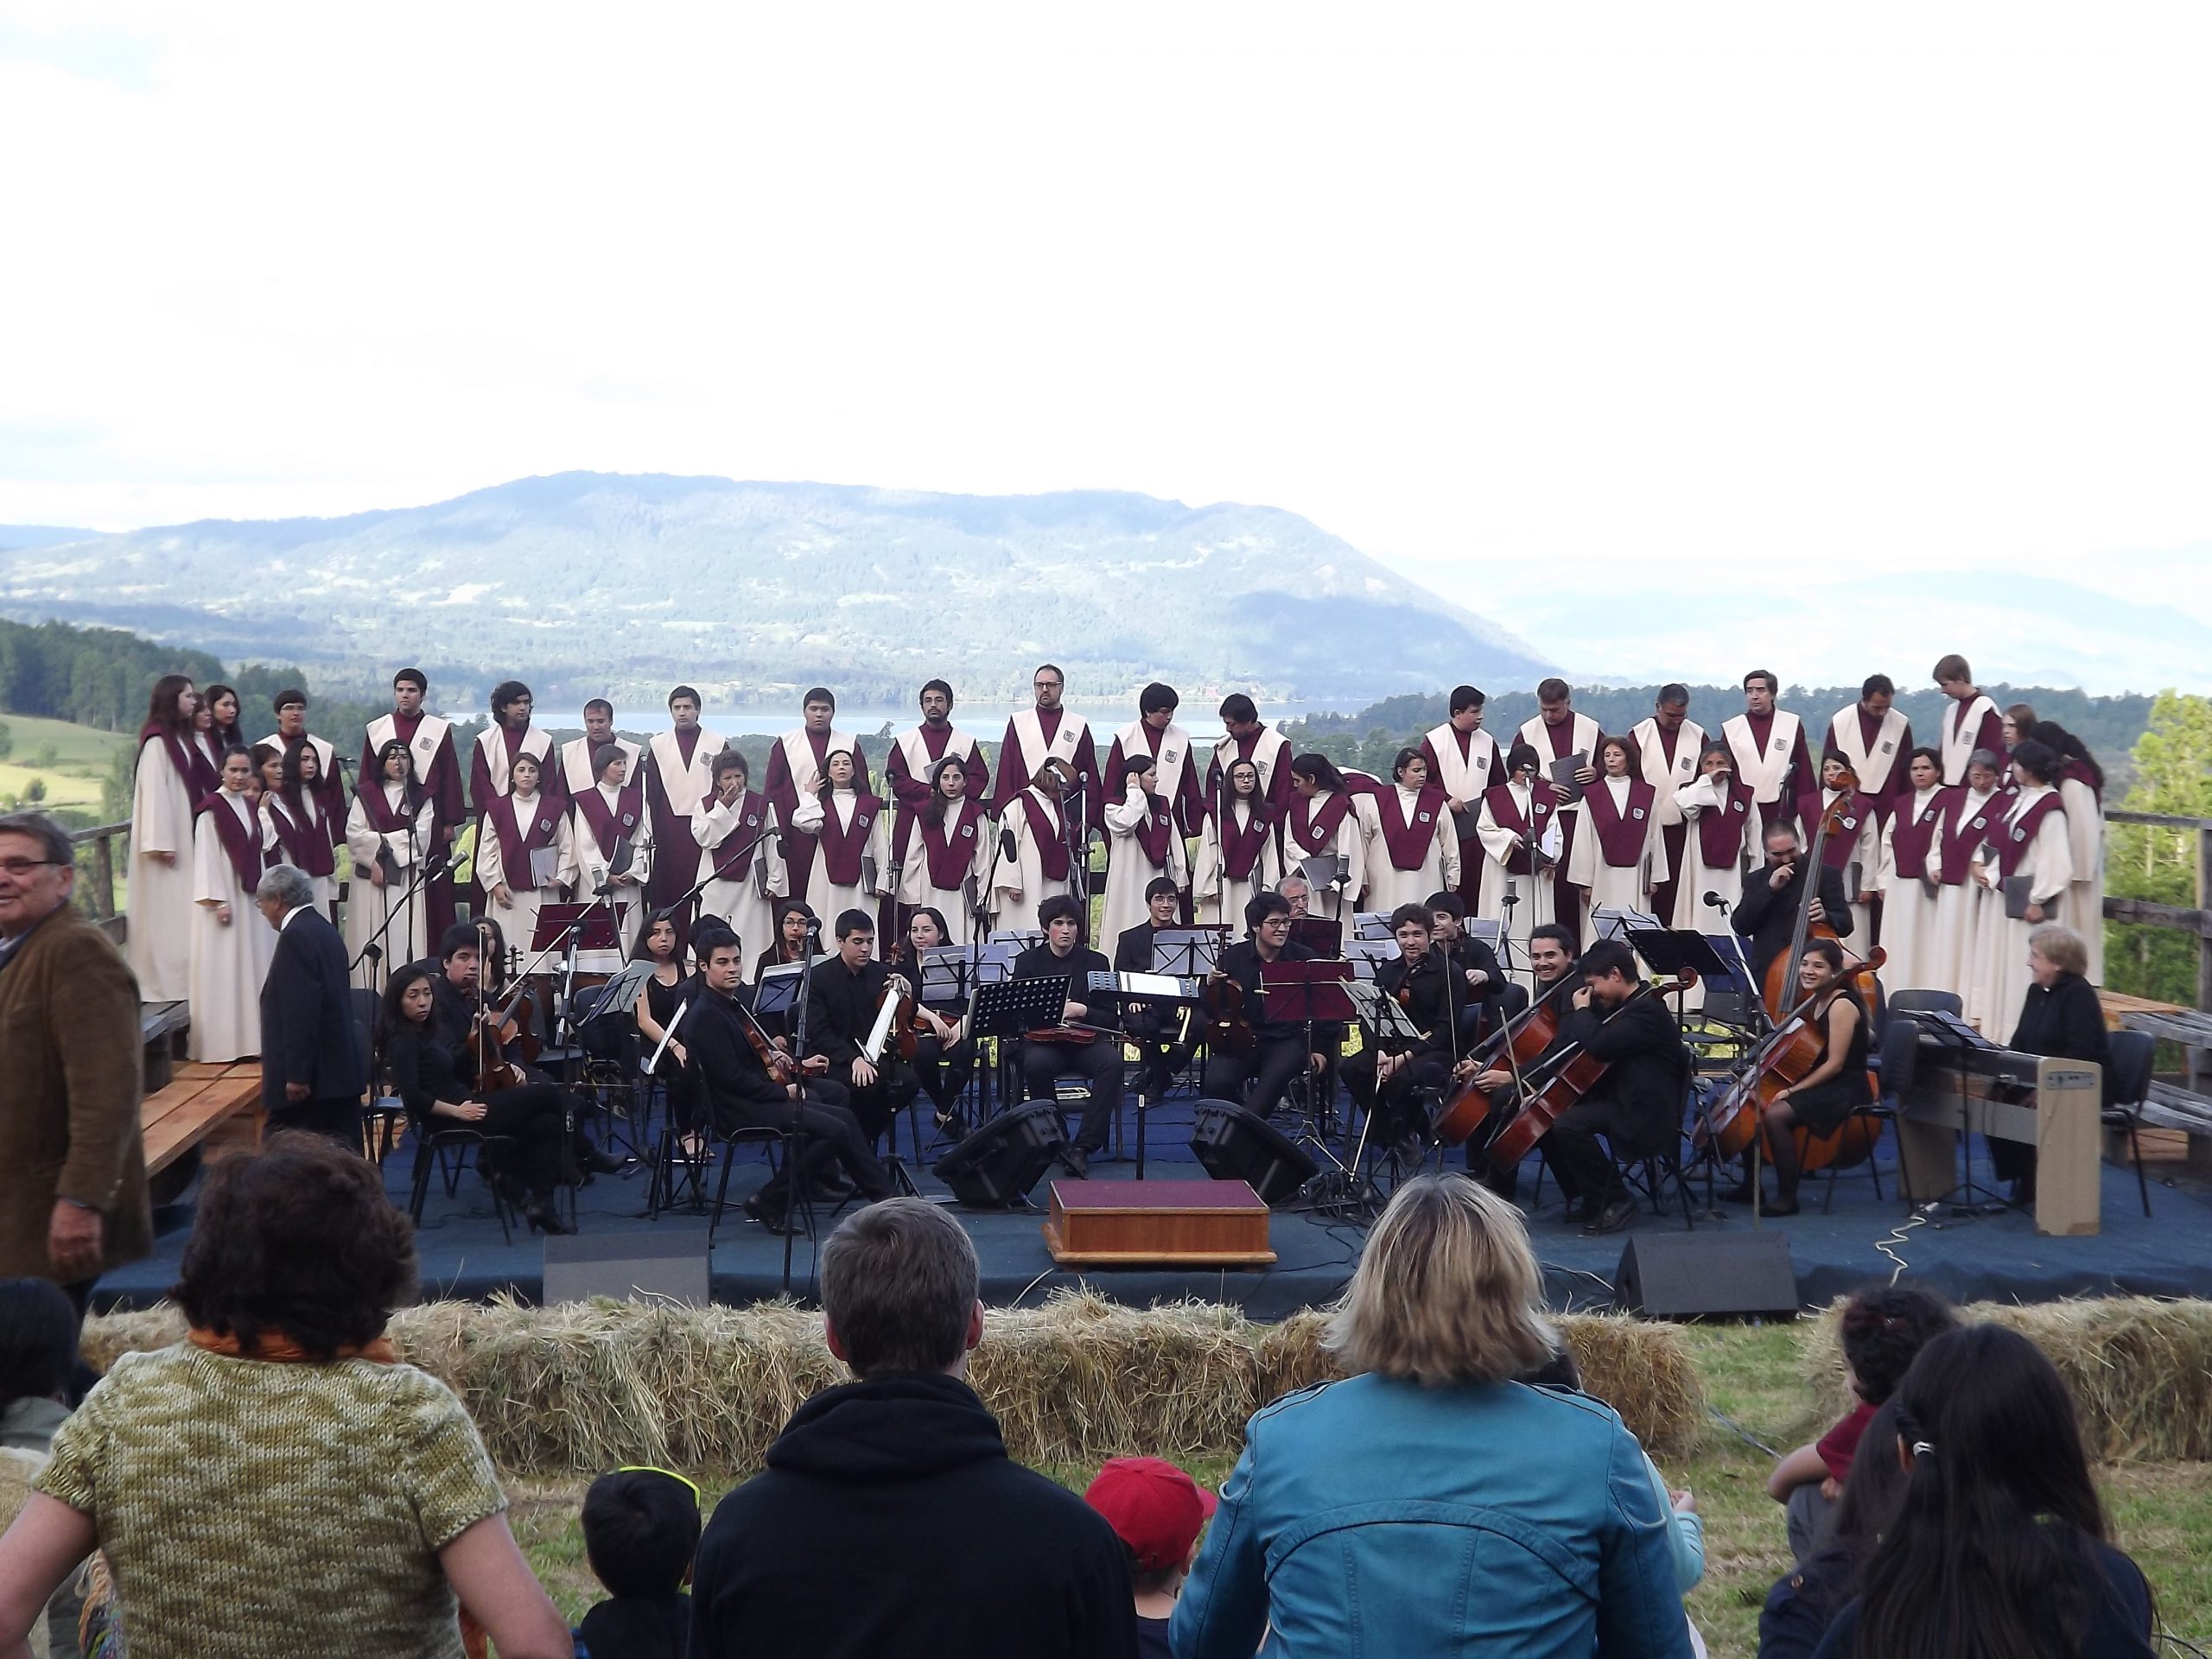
(303, 831)
(1620, 834)
(842, 844)
(1151, 834)
(950, 851)
(629, 807)
(1721, 830)
(181, 753)
(207, 769)
(242, 845)
(2018, 833)
(1318, 833)
(1857, 812)
(733, 854)
(1963, 835)
(1049, 838)
(518, 840)
(1561, 737)
(378, 810)
(1912, 836)
(1408, 842)
(1242, 844)
(1505, 811)
(2079, 774)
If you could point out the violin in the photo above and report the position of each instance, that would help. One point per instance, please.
(1790, 1055)
(1228, 1018)
(1577, 1073)
(488, 1044)
(895, 1029)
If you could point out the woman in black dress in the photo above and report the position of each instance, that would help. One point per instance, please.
(1826, 1096)
(944, 1054)
(668, 988)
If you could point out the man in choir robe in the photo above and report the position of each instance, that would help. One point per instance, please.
(916, 751)
(1768, 747)
(1036, 862)
(679, 779)
(292, 732)
(1049, 732)
(1971, 724)
(1464, 761)
(1668, 743)
(1875, 741)
(492, 758)
(795, 774)
(1250, 738)
(1154, 735)
(1554, 733)
(437, 774)
(575, 774)
(1854, 839)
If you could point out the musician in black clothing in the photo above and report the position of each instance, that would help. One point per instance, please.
(1424, 981)
(944, 1052)
(1551, 960)
(1278, 1051)
(2060, 1017)
(738, 1093)
(843, 992)
(1488, 997)
(1153, 1030)
(1098, 1062)
(1825, 1096)
(1767, 914)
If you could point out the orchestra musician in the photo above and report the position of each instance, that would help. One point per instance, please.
(1768, 914)
(1555, 733)
(1322, 825)
(576, 773)
(1717, 809)
(610, 844)
(1413, 845)
(1154, 736)
(1463, 761)
(1259, 1079)
(1767, 745)
(667, 989)
(1971, 724)
(1488, 995)
(1161, 1053)
(1552, 969)
(436, 767)
(844, 834)
(844, 991)
(1035, 861)
(678, 778)
(1385, 1076)
(1825, 1096)
(736, 830)
(1238, 855)
(2029, 844)
(1876, 740)
(797, 774)
(1297, 891)
(1618, 858)
(1097, 1060)
(948, 849)
(1145, 844)
(2060, 1016)
(296, 822)
(1518, 830)
(512, 831)
(1669, 746)
(1247, 737)
(391, 828)
(944, 1054)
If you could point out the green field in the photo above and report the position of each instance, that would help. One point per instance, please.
(79, 765)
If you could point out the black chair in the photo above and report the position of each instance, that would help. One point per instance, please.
(785, 1147)
(1949, 1002)
(431, 1150)
(2128, 1085)
(383, 1112)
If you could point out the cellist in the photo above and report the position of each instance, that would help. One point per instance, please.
(1551, 960)
(1768, 914)
(1824, 1097)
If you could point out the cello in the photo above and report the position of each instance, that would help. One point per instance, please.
(1520, 1043)
(1575, 1071)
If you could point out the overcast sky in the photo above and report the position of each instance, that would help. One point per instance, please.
(1585, 296)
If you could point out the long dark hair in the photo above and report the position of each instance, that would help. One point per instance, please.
(1992, 1552)
(395, 1017)
(225, 735)
(1256, 803)
(2054, 736)
(293, 785)
(1318, 770)
(162, 709)
(933, 808)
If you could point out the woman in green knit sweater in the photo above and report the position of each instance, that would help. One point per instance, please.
(278, 1484)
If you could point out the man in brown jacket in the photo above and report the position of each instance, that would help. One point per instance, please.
(73, 1164)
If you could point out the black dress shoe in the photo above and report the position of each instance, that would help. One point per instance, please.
(1577, 1210)
(1739, 1194)
(1783, 1207)
(771, 1215)
(1076, 1161)
(604, 1163)
(1614, 1217)
(544, 1218)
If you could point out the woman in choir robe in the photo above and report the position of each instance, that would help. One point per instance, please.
(512, 831)
(389, 831)
(222, 702)
(1519, 830)
(948, 851)
(738, 834)
(1035, 860)
(1953, 929)
(1322, 824)
(1619, 857)
(295, 825)
(268, 757)
(1854, 840)
(1720, 808)
(610, 842)
(1412, 848)
(207, 753)
(851, 835)
(232, 940)
(2081, 789)
(2029, 843)
(1237, 855)
(164, 795)
(1910, 882)
(1146, 845)
(944, 1055)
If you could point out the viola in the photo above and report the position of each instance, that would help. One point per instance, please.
(1577, 1073)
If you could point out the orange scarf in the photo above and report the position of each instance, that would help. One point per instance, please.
(279, 1348)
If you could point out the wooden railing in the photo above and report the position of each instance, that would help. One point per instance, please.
(95, 875)
(2186, 1107)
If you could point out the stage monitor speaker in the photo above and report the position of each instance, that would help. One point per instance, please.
(667, 1262)
(997, 1164)
(1236, 1145)
(1689, 1276)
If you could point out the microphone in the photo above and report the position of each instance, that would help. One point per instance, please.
(813, 925)
(1714, 901)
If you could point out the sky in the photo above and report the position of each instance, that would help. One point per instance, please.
(1547, 307)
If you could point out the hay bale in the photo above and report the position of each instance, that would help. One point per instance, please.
(107, 1337)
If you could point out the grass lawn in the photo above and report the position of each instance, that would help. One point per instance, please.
(2163, 1512)
(79, 765)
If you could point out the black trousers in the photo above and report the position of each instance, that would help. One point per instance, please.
(833, 1136)
(1572, 1149)
(336, 1120)
(533, 1116)
(942, 1071)
(1393, 1108)
(1258, 1080)
(1098, 1064)
(878, 1104)
(1154, 1034)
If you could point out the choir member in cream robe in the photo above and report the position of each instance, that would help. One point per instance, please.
(1048, 732)
(678, 776)
(1912, 876)
(232, 940)
(390, 827)
(739, 834)
(1767, 745)
(1322, 825)
(1853, 840)
(1519, 828)
(1875, 739)
(575, 774)
(436, 767)
(1145, 844)
(2082, 791)
(949, 849)
(511, 832)
(1957, 922)
(1238, 858)
(492, 756)
(296, 831)
(291, 706)
(163, 793)
(914, 754)
(205, 751)
(1971, 723)
(1247, 737)
(1035, 859)
(852, 832)
(1554, 733)
(1667, 745)
(602, 821)
(1618, 858)
(1154, 736)
(1413, 848)
(796, 770)
(2031, 839)
(1718, 813)
(1463, 761)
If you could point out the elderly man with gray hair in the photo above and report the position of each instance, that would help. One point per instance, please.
(315, 1067)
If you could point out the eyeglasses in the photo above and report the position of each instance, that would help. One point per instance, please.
(20, 868)
(697, 1497)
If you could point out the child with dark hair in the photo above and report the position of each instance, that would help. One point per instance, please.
(1158, 1513)
(641, 1530)
(1806, 1601)
(1884, 1329)
(38, 1359)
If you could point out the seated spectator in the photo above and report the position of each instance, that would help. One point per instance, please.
(1158, 1513)
(38, 1355)
(641, 1530)
(889, 1520)
(279, 1483)
(1805, 1601)
(1430, 1504)
(1884, 1326)
(2000, 1548)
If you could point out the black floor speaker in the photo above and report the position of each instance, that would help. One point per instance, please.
(1688, 1276)
(1236, 1145)
(668, 1262)
(999, 1163)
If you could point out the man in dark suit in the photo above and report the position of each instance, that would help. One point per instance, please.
(314, 1067)
(1767, 914)
(1636, 1105)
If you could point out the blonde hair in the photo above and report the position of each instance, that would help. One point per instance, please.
(2061, 947)
(1446, 1291)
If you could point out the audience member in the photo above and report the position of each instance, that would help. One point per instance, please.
(279, 1483)
(38, 1353)
(1883, 1327)
(889, 1520)
(1158, 1513)
(1803, 1602)
(1349, 1521)
(641, 1530)
(2000, 1548)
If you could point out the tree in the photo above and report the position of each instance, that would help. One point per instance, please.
(2173, 771)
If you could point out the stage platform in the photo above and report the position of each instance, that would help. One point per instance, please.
(1987, 1258)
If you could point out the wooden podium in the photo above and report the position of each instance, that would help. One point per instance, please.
(1158, 1225)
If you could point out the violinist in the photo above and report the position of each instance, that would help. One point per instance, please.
(1425, 984)
(1827, 1094)
(843, 994)
(1155, 1033)
(1485, 995)
(1280, 1052)
(1551, 962)
(1768, 915)
(667, 989)
(944, 1054)
(1096, 1059)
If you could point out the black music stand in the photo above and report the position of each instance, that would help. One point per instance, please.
(1313, 993)
(1368, 955)
(1009, 1008)
(777, 990)
(943, 976)
(1969, 1199)
(1188, 952)
(1668, 951)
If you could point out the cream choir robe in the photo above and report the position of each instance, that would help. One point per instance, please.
(745, 894)
(367, 905)
(960, 847)
(1857, 842)
(2085, 894)
(1328, 826)
(863, 831)
(1620, 821)
(576, 773)
(492, 758)
(1667, 770)
(1578, 734)
(1770, 755)
(797, 766)
(280, 831)
(160, 898)
(1973, 724)
(1145, 842)
(674, 789)
(1713, 853)
(1037, 864)
(518, 919)
(228, 963)
(1464, 765)
(1267, 749)
(1035, 736)
(1396, 823)
(1233, 839)
(1174, 763)
(1911, 886)
(914, 755)
(1957, 922)
(1513, 814)
(1880, 758)
(2032, 837)
(591, 855)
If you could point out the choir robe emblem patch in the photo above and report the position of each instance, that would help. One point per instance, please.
(544, 825)
(629, 820)
(751, 819)
(967, 832)
(1889, 745)
(1636, 812)
(1423, 818)
(1780, 745)
(424, 743)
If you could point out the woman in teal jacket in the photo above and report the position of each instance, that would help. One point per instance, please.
(1429, 1505)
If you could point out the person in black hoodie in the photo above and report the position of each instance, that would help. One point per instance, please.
(889, 1520)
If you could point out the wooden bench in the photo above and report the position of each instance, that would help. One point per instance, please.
(215, 1110)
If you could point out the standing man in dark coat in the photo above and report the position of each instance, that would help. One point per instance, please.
(315, 1068)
